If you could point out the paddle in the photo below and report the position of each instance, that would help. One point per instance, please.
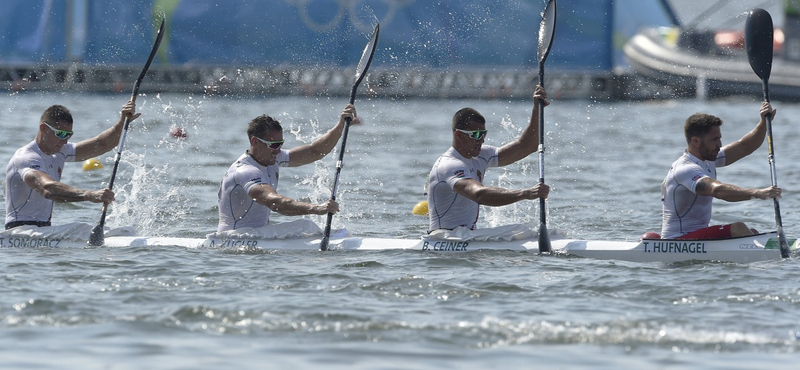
(361, 71)
(758, 41)
(97, 238)
(546, 31)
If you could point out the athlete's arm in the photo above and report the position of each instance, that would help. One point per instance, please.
(265, 195)
(528, 140)
(107, 139)
(493, 196)
(751, 140)
(732, 193)
(61, 192)
(323, 145)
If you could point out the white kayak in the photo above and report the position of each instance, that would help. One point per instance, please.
(761, 247)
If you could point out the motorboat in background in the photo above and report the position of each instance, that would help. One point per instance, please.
(713, 63)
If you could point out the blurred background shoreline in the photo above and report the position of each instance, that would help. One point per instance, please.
(485, 49)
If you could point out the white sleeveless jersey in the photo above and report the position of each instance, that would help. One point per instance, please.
(683, 211)
(22, 202)
(236, 207)
(446, 208)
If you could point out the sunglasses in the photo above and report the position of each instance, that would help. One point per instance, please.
(271, 144)
(474, 134)
(61, 134)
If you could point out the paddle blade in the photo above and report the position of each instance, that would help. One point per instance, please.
(546, 30)
(97, 238)
(758, 41)
(366, 56)
(544, 239)
(153, 51)
(783, 243)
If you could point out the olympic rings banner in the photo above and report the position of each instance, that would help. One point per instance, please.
(414, 33)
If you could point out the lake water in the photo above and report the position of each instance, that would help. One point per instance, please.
(175, 308)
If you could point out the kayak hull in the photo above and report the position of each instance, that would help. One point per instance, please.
(761, 247)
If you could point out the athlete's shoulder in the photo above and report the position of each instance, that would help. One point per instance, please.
(488, 153)
(282, 160)
(450, 160)
(244, 160)
(686, 163)
(244, 165)
(28, 149)
(26, 156)
(489, 149)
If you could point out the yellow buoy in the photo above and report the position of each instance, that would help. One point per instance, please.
(421, 208)
(91, 164)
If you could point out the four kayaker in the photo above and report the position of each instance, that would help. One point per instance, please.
(455, 190)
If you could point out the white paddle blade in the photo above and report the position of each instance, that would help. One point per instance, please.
(546, 30)
(366, 56)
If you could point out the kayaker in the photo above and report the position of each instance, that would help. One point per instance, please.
(33, 175)
(691, 182)
(455, 187)
(248, 193)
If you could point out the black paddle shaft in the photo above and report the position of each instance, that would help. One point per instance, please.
(758, 37)
(544, 237)
(97, 237)
(546, 32)
(361, 71)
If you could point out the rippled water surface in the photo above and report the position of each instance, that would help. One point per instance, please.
(175, 308)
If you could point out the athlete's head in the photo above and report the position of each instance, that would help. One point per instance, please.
(703, 135)
(266, 139)
(466, 116)
(262, 124)
(56, 115)
(55, 129)
(469, 131)
(699, 124)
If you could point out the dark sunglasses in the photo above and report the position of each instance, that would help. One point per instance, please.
(271, 144)
(474, 134)
(61, 134)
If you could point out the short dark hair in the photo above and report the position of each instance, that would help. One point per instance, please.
(699, 124)
(261, 125)
(465, 116)
(55, 114)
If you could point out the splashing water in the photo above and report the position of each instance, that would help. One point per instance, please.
(147, 200)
